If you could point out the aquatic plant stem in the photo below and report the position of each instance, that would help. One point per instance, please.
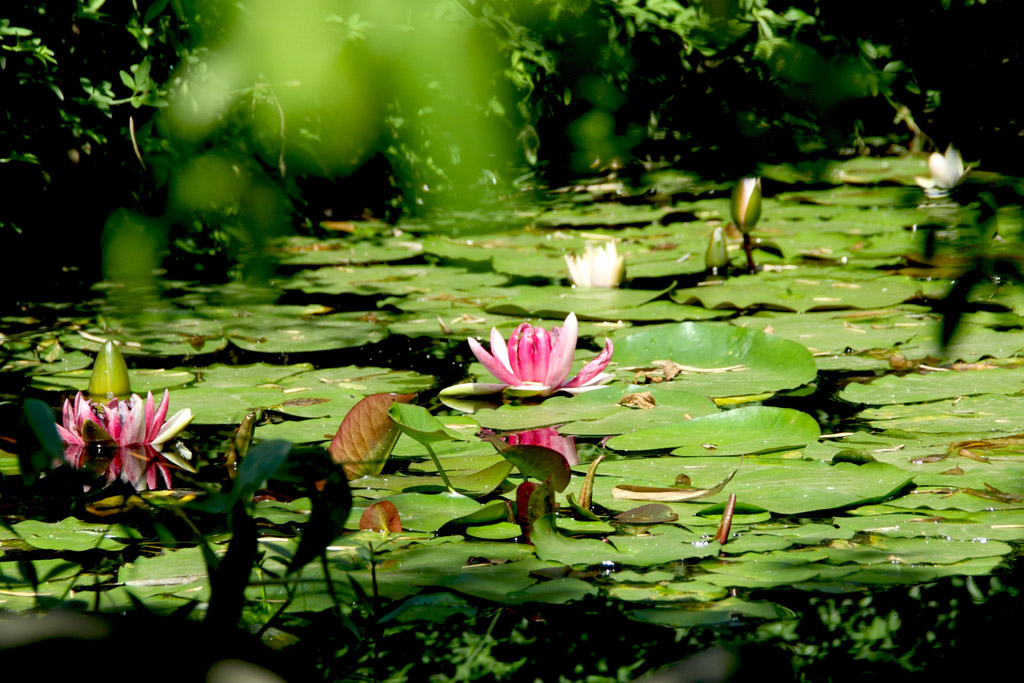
(748, 247)
(440, 470)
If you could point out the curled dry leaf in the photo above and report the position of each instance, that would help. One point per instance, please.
(665, 494)
(642, 400)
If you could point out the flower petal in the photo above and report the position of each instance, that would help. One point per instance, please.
(534, 352)
(155, 422)
(513, 349)
(493, 365)
(562, 351)
(172, 427)
(592, 370)
(499, 349)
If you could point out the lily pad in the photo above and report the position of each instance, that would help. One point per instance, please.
(719, 360)
(757, 429)
(917, 388)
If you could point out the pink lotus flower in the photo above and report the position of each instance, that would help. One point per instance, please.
(125, 423)
(548, 437)
(536, 362)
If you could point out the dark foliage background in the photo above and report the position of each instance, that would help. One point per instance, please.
(349, 109)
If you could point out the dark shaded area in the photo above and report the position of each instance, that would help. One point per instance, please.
(610, 91)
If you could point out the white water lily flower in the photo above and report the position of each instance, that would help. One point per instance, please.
(597, 266)
(947, 171)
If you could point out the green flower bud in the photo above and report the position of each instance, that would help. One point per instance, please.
(746, 204)
(716, 255)
(109, 375)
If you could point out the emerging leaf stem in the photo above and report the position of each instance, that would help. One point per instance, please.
(437, 464)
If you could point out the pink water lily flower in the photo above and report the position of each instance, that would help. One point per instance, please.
(536, 362)
(125, 423)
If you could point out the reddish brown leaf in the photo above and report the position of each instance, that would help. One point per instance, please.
(366, 435)
(523, 492)
(381, 516)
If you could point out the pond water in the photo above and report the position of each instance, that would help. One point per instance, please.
(878, 474)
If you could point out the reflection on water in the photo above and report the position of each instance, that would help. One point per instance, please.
(143, 467)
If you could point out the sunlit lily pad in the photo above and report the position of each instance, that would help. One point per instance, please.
(718, 360)
(667, 544)
(804, 290)
(284, 329)
(425, 512)
(399, 280)
(142, 381)
(72, 534)
(172, 335)
(917, 388)
(757, 429)
(912, 551)
(669, 406)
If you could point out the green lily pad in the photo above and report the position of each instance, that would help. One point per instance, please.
(292, 329)
(72, 534)
(401, 280)
(343, 251)
(912, 551)
(757, 429)
(719, 360)
(980, 416)
(142, 381)
(424, 512)
(804, 290)
(918, 388)
(557, 302)
(671, 406)
(668, 544)
(705, 614)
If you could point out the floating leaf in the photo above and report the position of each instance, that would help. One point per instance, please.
(652, 513)
(763, 362)
(540, 463)
(366, 436)
(756, 429)
(668, 495)
(381, 516)
(933, 386)
(419, 424)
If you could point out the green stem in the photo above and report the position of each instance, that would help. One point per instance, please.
(440, 470)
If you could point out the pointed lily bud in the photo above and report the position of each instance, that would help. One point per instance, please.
(746, 204)
(109, 375)
(716, 255)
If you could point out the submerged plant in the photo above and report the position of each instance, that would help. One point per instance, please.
(122, 423)
(536, 362)
(597, 266)
(947, 171)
